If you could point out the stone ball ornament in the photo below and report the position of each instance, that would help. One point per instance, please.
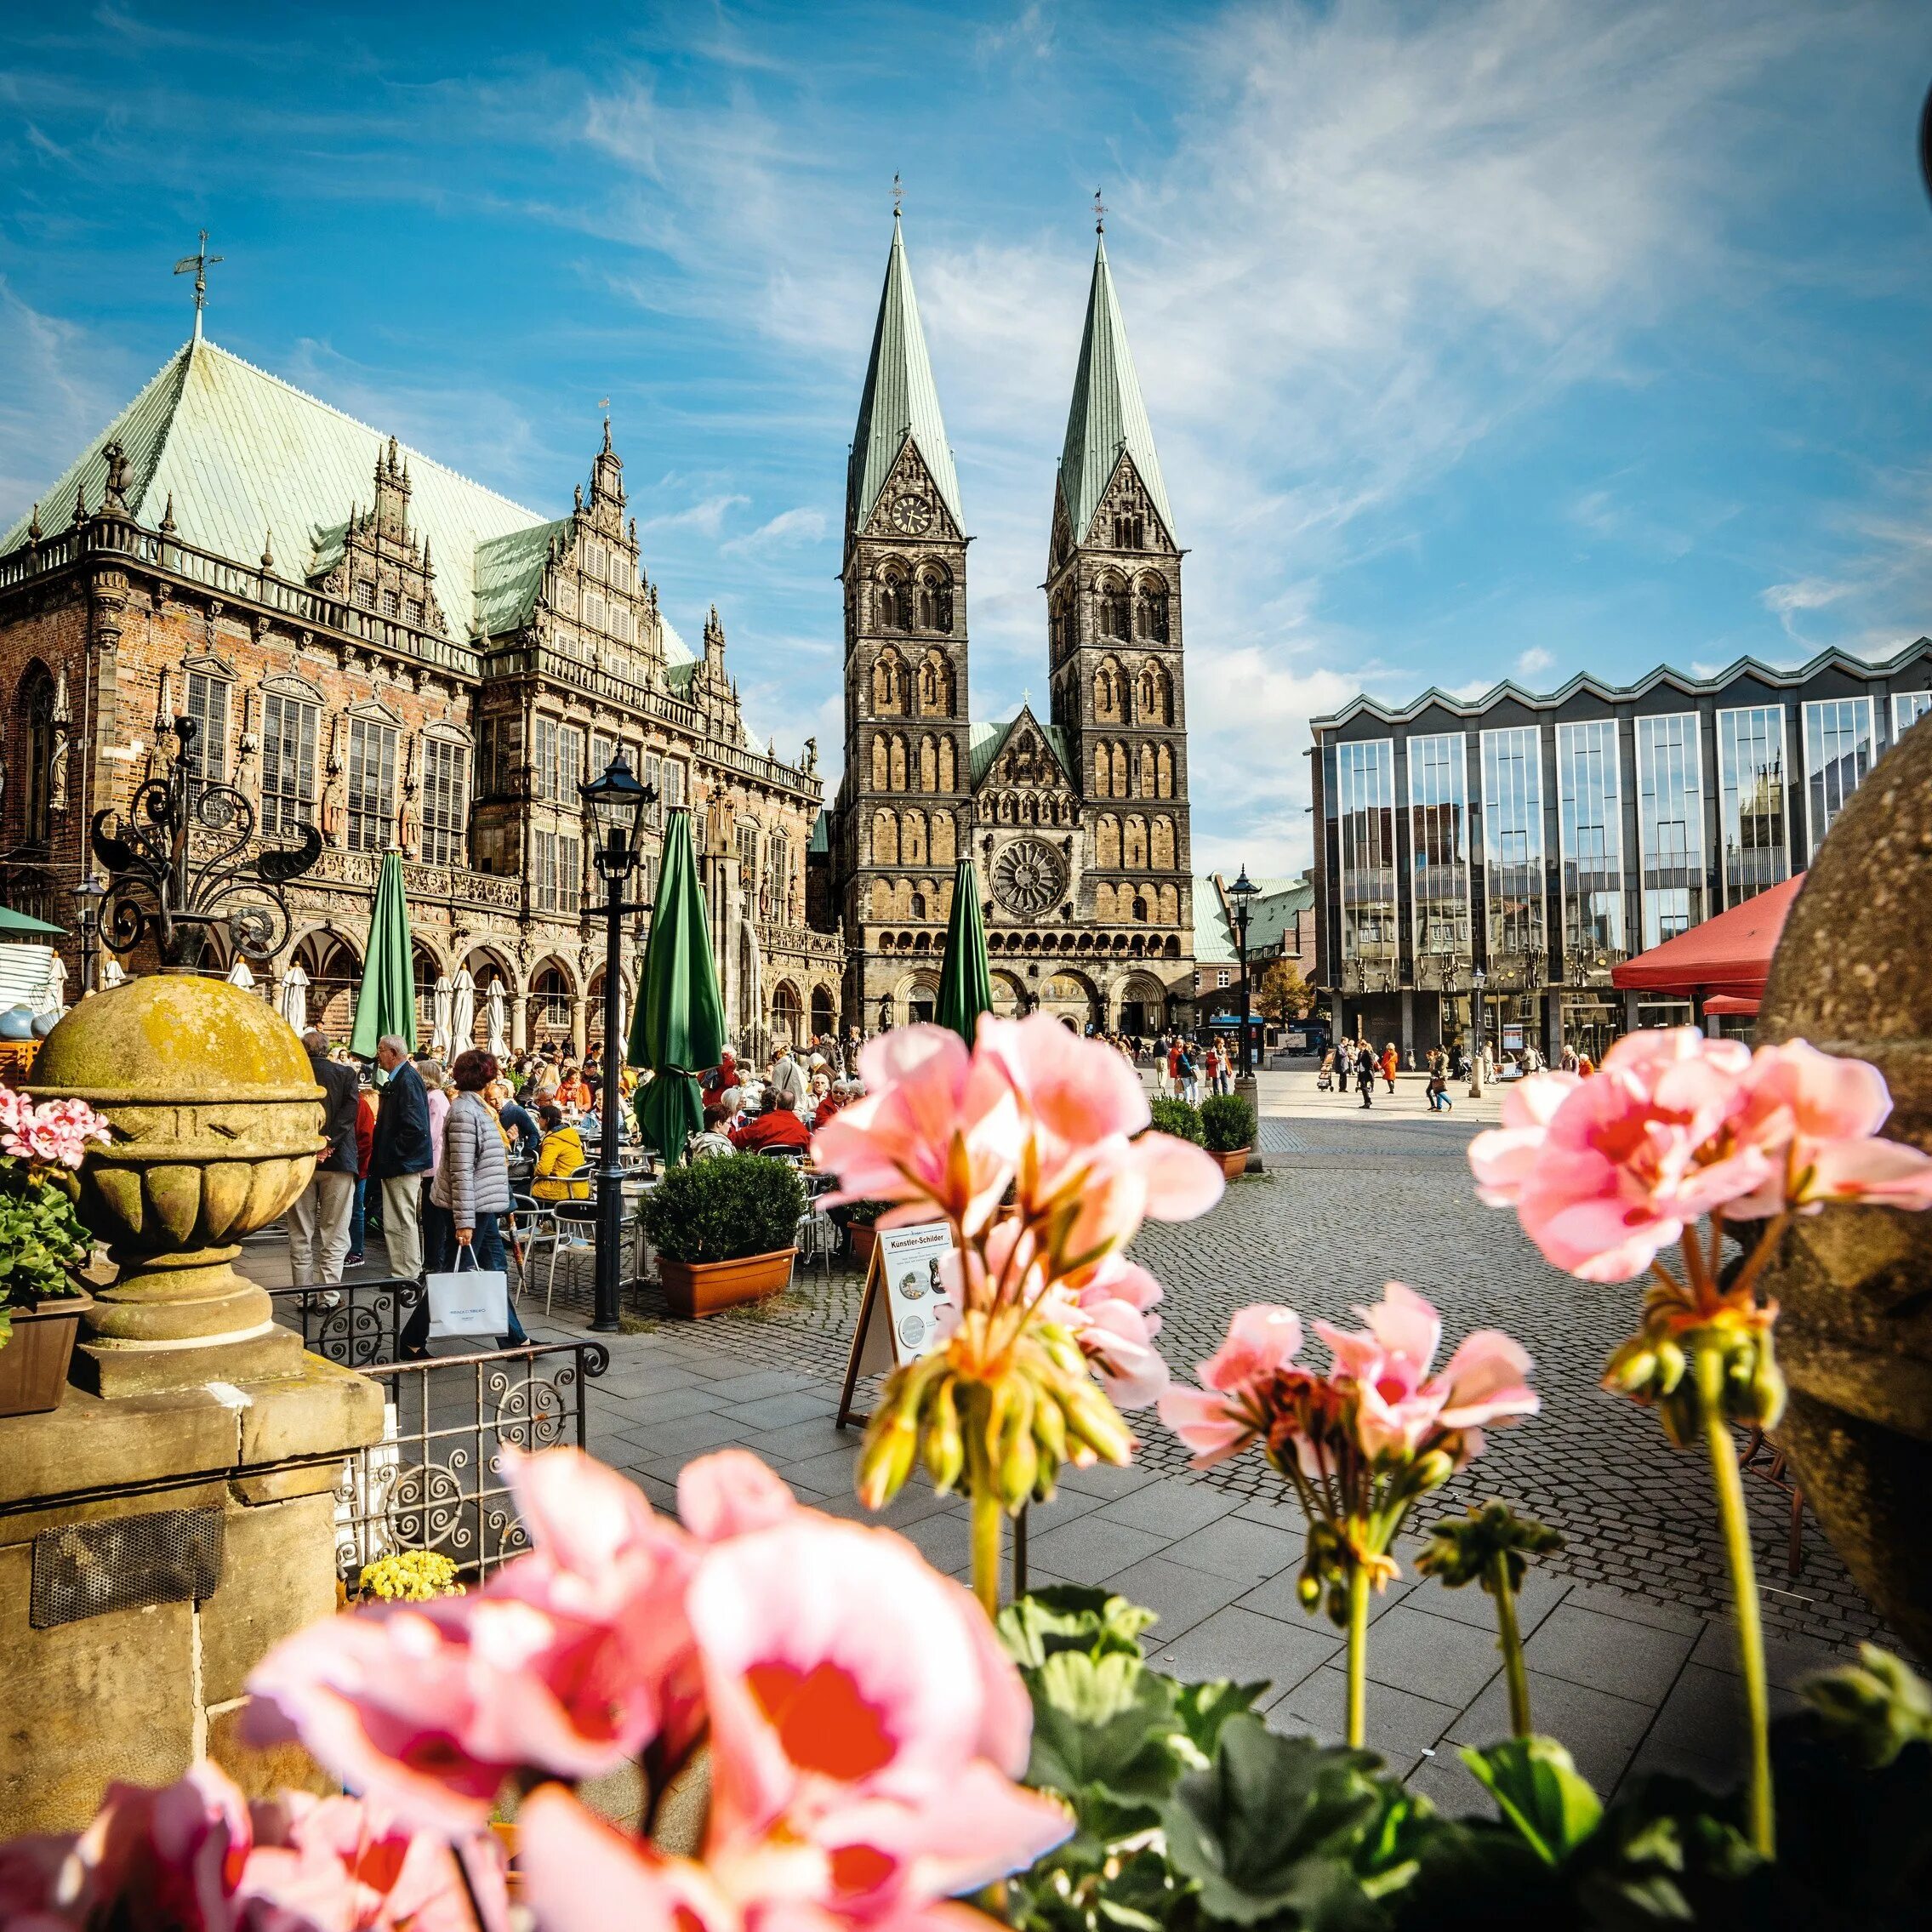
(1029, 878)
(216, 1122)
(1853, 975)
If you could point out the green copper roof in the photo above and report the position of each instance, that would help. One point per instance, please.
(510, 572)
(245, 456)
(900, 400)
(984, 743)
(1107, 415)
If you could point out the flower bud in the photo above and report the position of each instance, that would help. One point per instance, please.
(942, 1444)
(1307, 1588)
(885, 1459)
(1432, 1470)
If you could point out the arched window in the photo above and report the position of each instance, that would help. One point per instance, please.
(1151, 696)
(1106, 842)
(1164, 773)
(1150, 611)
(1103, 783)
(1103, 902)
(912, 844)
(935, 600)
(918, 910)
(1113, 609)
(1062, 628)
(1169, 904)
(788, 1014)
(929, 763)
(936, 686)
(825, 1012)
(37, 789)
(1143, 908)
(1160, 844)
(1133, 849)
(1149, 767)
(892, 685)
(1120, 765)
(947, 770)
(882, 765)
(944, 852)
(898, 766)
(1108, 691)
(885, 838)
(895, 600)
(1130, 529)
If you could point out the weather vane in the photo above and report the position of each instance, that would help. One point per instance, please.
(200, 262)
(898, 195)
(1099, 214)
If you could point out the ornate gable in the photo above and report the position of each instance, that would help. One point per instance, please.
(1127, 517)
(375, 560)
(911, 506)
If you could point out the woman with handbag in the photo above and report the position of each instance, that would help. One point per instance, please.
(472, 1186)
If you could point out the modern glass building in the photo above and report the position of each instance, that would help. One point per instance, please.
(1541, 839)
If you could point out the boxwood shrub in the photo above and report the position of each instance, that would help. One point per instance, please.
(1228, 1122)
(1180, 1118)
(724, 1207)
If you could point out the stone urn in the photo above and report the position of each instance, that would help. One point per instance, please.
(1853, 975)
(216, 1118)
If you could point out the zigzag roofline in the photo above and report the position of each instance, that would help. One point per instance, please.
(1583, 683)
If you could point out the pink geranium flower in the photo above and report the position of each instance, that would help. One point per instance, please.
(731, 1494)
(1073, 1092)
(1229, 1411)
(57, 1133)
(937, 1131)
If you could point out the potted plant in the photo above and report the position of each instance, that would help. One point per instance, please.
(724, 1228)
(42, 1243)
(862, 1219)
(1228, 1128)
(1180, 1118)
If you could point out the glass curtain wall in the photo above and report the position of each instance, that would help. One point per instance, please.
(1670, 823)
(1838, 753)
(1365, 794)
(1439, 843)
(1590, 815)
(1908, 707)
(1512, 843)
(1751, 801)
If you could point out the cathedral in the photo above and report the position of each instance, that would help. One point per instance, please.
(1077, 823)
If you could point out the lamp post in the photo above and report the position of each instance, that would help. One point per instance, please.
(91, 891)
(1476, 977)
(616, 801)
(1241, 896)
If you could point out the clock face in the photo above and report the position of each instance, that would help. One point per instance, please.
(1029, 878)
(912, 514)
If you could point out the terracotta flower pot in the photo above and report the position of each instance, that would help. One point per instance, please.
(697, 1288)
(864, 1239)
(33, 1364)
(1234, 1162)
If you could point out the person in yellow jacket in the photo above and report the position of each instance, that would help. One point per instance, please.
(560, 1160)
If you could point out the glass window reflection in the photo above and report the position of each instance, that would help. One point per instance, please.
(1590, 816)
(1670, 823)
(1838, 753)
(1908, 707)
(1365, 794)
(1751, 800)
(1512, 843)
(1439, 843)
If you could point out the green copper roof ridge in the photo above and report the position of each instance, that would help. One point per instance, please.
(1107, 416)
(900, 399)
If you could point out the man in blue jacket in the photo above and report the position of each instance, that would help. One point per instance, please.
(400, 1156)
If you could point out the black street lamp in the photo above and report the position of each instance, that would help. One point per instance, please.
(617, 802)
(91, 891)
(1242, 895)
(1476, 977)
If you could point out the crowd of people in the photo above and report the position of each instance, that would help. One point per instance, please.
(1358, 1060)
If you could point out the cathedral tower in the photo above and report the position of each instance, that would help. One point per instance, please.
(1113, 617)
(907, 756)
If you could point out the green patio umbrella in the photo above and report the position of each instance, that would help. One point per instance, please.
(965, 981)
(387, 1002)
(679, 1026)
(12, 921)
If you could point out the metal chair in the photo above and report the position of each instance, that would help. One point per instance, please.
(815, 1238)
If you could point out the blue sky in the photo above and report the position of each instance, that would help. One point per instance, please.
(1506, 337)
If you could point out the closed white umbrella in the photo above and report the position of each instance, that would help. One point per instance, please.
(111, 974)
(54, 999)
(239, 975)
(499, 1019)
(295, 999)
(462, 1011)
(439, 1017)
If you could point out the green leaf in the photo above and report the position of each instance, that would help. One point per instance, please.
(1103, 1724)
(1541, 1792)
(1875, 1708)
(1271, 1828)
(1068, 1617)
(1203, 1708)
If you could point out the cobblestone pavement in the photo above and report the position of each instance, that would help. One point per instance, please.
(1630, 1654)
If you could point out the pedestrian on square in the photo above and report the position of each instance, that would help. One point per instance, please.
(1190, 1075)
(1390, 1061)
(1439, 1101)
(401, 1155)
(1344, 1063)
(320, 1216)
(439, 1237)
(1365, 1072)
(365, 1150)
(472, 1187)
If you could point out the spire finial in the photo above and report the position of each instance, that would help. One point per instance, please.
(200, 262)
(898, 195)
(1099, 214)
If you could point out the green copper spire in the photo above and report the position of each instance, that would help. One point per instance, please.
(1107, 415)
(899, 400)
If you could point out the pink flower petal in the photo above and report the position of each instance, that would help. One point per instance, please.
(731, 1494)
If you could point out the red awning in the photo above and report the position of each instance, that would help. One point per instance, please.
(1730, 953)
(1734, 1003)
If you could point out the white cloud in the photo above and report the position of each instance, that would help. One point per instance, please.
(705, 517)
(788, 528)
(1534, 662)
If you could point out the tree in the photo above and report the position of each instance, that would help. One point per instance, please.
(1281, 994)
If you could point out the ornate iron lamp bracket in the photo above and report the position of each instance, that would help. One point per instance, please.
(179, 863)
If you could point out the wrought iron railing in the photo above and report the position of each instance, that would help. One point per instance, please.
(436, 1480)
(355, 1324)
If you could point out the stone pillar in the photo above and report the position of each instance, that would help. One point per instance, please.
(1407, 1024)
(579, 1029)
(199, 1427)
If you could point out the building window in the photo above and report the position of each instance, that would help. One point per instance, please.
(208, 705)
(1438, 844)
(372, 784)
(1590, 816)
(1838, 753)
(366, 592)
(288, 762)
(556, 872)
(1223, 977)
(674, 782)
(446, 802)
(593, 610)
(748, 855)
(412, 611)
(1908, 707)
(391, 603)
(1751, 800)
(1670, 824)
(1512, 843)
(603, 749)
(570, 766)
(42, 739)
(1366, 794)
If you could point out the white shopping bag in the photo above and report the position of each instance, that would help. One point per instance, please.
(469, 1301)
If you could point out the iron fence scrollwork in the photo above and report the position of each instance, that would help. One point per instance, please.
(358, 1325)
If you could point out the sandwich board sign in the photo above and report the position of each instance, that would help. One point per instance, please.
(899, 1319)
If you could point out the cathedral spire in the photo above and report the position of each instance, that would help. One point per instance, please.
(1107, 415)
(900, 400)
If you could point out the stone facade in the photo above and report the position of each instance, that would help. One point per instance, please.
(349, 677)
(1077, 826)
